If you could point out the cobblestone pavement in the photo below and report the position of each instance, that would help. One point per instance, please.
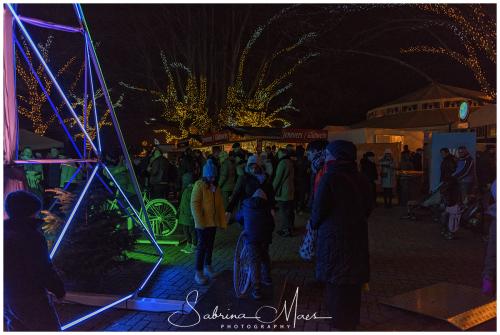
(405, 255)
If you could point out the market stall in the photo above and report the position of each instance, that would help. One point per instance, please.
(254, 139)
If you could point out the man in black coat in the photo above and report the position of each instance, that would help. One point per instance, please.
(29, 275)
(369, 169)
(448, 164)
(340, 212)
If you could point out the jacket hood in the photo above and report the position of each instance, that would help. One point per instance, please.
(223, 156)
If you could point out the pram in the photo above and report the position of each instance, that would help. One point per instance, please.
(468, 215)
(431, 201)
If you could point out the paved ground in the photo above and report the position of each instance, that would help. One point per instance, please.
(405, 255)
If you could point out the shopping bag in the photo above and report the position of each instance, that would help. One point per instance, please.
(454, 218)
(308, 246)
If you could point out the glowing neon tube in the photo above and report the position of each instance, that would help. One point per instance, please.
(73, 212)
(93, 96)
(50, 25)
(102, 309)
(49, 72)
(61, 121)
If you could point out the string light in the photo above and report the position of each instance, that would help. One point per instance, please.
(186, 106)
(105, 120)
(476, 33)
(31, 104)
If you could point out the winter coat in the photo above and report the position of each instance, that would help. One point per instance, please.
(246, 186)
(185, 214)
(301, 174)
(227, 177)
(283, 182)
(28, 271)
(448, 167)
(387, 173)
(258, 223)
(466, 170)
(207, 206)
(369, 169)
(340, 211)
(158, 167)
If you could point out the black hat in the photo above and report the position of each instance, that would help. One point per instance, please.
(342, 150)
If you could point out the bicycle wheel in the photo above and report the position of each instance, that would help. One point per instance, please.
(241, 268)
(162, 216)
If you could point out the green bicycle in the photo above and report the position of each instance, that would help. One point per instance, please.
(162, 214)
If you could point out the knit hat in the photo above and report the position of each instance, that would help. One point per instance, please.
(259, 194)
(342, 150)
(22, 204)
(253, 160)
(209, 169)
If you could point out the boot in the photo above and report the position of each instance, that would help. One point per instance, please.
(209, 272)
(256, 292)
(200, 278)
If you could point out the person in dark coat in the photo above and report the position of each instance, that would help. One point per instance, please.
(258, 223)
(369, 169)
(253, 178)
(157, 167)
(448, 164)
(28, 272)
(340, 213)
(301, 179)
(316, 156)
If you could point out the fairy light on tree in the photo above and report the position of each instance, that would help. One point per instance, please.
(248, 96)
(104, 119)
(32, 102)
(476, 33)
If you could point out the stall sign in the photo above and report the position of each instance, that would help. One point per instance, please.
(304, 135)
(215, 138)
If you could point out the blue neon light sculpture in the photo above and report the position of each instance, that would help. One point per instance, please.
(91, 66)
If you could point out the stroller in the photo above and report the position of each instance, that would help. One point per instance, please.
(445, 206)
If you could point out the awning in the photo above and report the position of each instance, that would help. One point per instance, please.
(37, 142)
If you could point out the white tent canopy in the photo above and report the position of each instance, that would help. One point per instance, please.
(37, 142)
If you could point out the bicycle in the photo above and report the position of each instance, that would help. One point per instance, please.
(162, 214)
(241, 268)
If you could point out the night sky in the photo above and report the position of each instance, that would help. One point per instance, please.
(337, 87)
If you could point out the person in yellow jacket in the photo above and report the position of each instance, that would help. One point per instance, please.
(207, 207)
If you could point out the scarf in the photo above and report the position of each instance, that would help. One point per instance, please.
(317, 161)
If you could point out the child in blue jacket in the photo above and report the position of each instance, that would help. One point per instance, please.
(258, 223)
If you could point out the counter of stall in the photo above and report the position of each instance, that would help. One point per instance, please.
(254, 139)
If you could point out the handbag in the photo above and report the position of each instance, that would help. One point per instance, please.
(307, 248)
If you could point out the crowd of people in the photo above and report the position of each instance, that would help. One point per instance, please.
(257, 191)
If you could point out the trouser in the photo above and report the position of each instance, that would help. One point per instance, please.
(260, 262)
(388, 196)
(31, 314)
(189, 234)
(374, 192)
(226, 195)
(465, 191)
(300, 197)
(158, 191)
(286, 214)
(205, 246)
(344, 303)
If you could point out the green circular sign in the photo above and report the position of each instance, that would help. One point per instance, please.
(463, 112)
